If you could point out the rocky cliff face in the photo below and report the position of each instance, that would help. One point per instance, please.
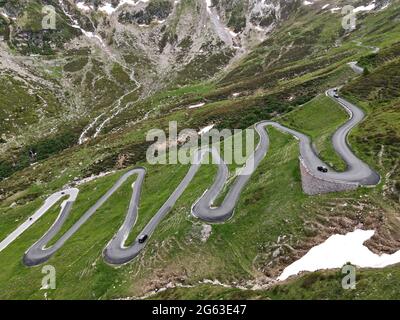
(183, 40)
(105, 55)
(165, 42)
(177, 41)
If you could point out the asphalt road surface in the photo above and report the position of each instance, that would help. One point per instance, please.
(116, 253)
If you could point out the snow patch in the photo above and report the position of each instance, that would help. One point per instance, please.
(369, 7)
(209, 5)
(206, 129)
(338, 250)
(109, 9)
(333, 10)
(84, 7)
(194, 106)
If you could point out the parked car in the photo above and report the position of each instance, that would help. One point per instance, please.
(143, 238)
(322, 169)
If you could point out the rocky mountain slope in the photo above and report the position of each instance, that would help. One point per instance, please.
(84, 95)
(132, 48)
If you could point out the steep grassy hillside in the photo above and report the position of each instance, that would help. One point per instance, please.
(312, 120)
(283, 221)
(274, 223)
(379, 137)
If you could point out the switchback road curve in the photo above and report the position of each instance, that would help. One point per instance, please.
(116, 253)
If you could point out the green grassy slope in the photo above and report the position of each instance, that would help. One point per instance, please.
(274, 222)
(272, 205)
(318, 119)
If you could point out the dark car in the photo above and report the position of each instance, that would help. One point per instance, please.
(322, 169)
(143, 238)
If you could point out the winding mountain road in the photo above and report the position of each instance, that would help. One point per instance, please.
(116, 253)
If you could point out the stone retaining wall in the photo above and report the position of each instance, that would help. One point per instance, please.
(313, 185)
